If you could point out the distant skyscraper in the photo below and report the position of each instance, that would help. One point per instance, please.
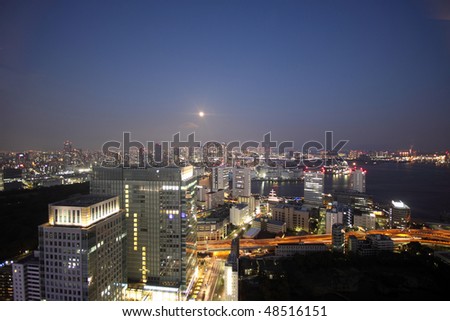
(27, 278)
(161, 223)
(82, 250)
(358, 180)
(67, 153)
(242, 183)
(313, 188)
(67, 146)
(217, 179)
(400, 214)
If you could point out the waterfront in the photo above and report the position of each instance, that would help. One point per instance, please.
(425, 188)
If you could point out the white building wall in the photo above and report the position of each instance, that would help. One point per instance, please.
(367, 221)
(18, 282)
(358, 180)
(313, 189)
(332, 218)
(241, 182)
(231, 283)
(239, 216)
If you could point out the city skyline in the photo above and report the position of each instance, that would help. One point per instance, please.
(90, 71)
(225, 150)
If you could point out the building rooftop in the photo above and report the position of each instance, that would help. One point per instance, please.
(83, 200)
(301, 244)
(279, 223)
(215, 214)
(241, 206)
(269, 221)
(400, 205)
(32, 258)
(378, 237)
(251, 233)
(296, 207)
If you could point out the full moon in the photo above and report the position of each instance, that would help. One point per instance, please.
(201, 114)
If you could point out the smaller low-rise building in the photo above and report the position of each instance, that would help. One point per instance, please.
(290, 249)
(213, 225)
(295, 217)
(272, 226)
(239, 214)
(372, 245)
(367, 221)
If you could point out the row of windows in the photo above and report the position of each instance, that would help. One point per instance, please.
(63, 290)
(63, 298)
(70, 279)
(62, 275)
(101, 209)
(67, 216)
(60, 257)
(62, 235)
(60, 244)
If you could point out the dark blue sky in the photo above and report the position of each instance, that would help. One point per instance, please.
(374, 72)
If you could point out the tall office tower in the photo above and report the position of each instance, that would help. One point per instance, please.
(67, 152)
(358, 180)
(400, 214)
(231, 274)
(27, 278)
(217, 179)
(242, 183)
(313, 188)
(338, 237)
(67, 147)
(161, 224)
(82, 250)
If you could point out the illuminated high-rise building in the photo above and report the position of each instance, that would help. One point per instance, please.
(231, 273)
(217, 179)
(400, 214)
(313, 189)
(161, 224)
(242, 183)
(67, 146)
(358, 180)
(82, 250)
(67, 153)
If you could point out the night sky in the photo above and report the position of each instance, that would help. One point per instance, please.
(375, 72)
